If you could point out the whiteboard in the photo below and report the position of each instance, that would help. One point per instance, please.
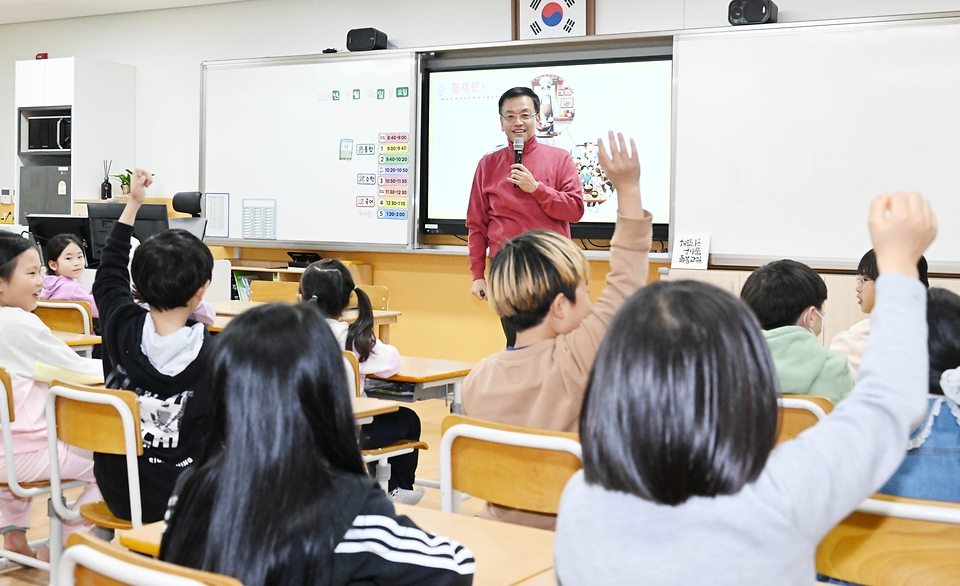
(310, 150)
(784, 136)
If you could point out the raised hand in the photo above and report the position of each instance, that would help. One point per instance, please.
(140, 180)
(623, 169)
(902, 226)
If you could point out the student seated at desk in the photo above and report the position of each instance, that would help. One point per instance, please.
(282, 498)
(34, 357)
(538, 282)
(65, 264)
(787, 297)
(851, 342)
(159, 353)
(680, 482)
(327, 285)
(931, 469)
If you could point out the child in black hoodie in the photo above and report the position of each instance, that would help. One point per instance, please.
(158, 353)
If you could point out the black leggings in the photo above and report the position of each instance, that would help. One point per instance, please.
(388, 429)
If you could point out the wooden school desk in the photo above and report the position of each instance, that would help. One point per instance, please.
(80, 343)
(505, 553)
(228, 309)
(542, 579)
(365, 408)
(431, 376)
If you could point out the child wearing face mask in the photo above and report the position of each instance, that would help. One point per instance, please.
(851, 342)
(787, 298)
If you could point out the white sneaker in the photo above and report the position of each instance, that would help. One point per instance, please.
(406, 497)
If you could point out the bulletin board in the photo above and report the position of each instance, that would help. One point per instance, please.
(309, 150)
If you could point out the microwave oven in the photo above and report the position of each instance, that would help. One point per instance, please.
(48, 133)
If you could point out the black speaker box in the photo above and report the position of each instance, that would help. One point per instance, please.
(752, 12)
(366, 39)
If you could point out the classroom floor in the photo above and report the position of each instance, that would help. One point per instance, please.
(431, 414)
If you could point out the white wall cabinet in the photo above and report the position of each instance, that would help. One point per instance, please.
(45, 82)
(100, 97)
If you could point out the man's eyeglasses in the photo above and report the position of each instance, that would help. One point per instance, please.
(524, 117)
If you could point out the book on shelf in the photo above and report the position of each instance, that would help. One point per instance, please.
(241, 283)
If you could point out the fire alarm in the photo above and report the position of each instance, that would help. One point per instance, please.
(41, 55)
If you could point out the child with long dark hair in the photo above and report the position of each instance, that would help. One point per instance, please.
(281, 497)
(327, 285)
(679, 485)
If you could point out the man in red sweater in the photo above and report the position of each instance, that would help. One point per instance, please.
(507, 199)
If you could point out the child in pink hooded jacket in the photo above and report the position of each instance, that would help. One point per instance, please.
(65, 264)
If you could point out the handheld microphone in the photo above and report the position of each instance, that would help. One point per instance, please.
(517, 153)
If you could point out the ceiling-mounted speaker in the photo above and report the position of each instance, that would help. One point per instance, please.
(752, 12)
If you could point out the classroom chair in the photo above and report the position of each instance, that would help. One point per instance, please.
(378, 294)
(65, 316)
(99, 420)
(352, 365)
(220, 280)
(270, 291)
(379, 455)
(892, 540)
(505, 465)
(89, 561)
(798, 412)
(382, 457)
(26, 489)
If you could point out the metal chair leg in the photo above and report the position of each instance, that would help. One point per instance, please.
(104, 533)
(383, 474)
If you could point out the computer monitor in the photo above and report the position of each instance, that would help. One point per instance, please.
(43, 227)
(151, 219)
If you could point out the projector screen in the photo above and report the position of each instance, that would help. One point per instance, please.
(579, 103)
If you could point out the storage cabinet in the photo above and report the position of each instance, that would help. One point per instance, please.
(100, 100)
(45, 82)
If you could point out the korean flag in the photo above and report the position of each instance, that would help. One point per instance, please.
(550, 19)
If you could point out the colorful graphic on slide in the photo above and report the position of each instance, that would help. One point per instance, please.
(551, 14)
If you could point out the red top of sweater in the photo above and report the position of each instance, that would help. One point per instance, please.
(498, 211)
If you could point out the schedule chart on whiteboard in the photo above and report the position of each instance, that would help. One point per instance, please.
(329, 141)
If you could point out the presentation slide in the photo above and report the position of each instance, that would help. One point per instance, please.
(579, 104)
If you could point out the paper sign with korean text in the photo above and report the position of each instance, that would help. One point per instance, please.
(690, 251)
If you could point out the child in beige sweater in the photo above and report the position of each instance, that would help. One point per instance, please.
(538, 281)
